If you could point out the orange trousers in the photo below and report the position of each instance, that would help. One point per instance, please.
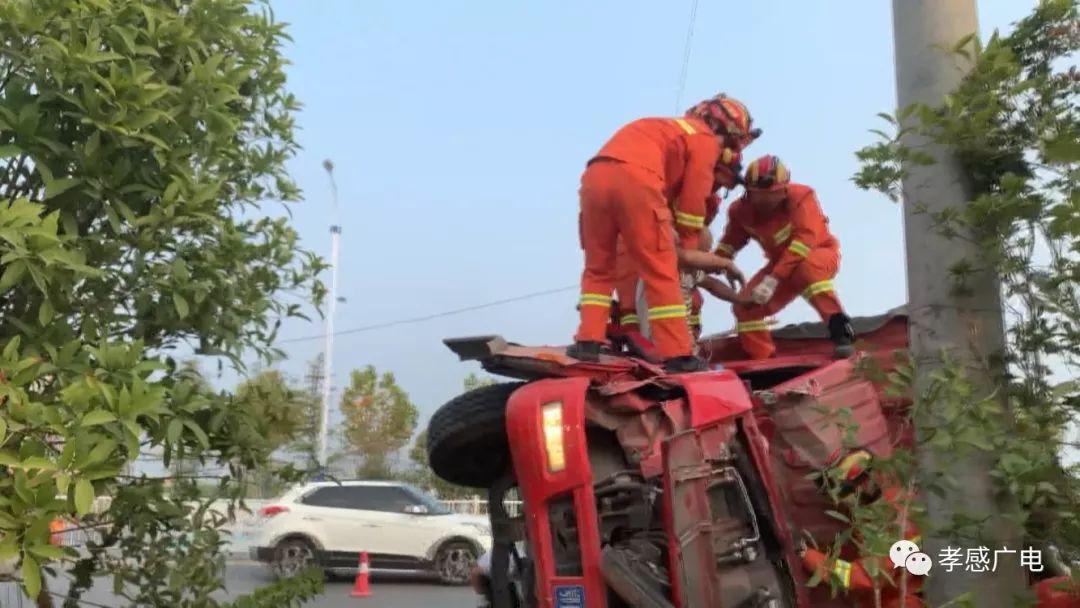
(812, 279)
(622, 200)
(626, 281)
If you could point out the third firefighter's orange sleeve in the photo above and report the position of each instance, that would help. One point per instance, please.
(735, 236)
(807, 225)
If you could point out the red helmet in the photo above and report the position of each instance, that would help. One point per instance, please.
(767, 172)
(727, 117)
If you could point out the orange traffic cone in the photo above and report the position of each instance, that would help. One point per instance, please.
(360, 587)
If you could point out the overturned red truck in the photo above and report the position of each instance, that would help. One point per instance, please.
(647, 490)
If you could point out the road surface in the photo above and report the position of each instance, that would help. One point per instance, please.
(387, 591)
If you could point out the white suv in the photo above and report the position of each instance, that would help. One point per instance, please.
(329, 523)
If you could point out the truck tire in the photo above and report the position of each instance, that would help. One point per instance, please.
(466, 437)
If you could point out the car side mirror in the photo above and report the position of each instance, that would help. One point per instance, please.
(416, 510)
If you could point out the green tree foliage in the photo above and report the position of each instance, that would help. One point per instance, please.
(283, 413)
(379, 420)
(1015, 126)
(281, 409)
(473, 382)
(306, 438)
(137, 140)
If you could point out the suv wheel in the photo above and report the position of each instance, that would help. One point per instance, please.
(466, 438)
(454, 561)
(291, 556)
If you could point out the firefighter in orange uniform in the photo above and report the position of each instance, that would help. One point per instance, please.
(626, 190)
(803, 256)
(727, 174)
(859, 483)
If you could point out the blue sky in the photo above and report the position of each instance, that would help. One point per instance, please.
(460, 130)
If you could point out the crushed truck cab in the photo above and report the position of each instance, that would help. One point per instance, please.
(648, 490)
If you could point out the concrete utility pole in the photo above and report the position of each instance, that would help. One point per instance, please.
(969, 326)
(328, 348)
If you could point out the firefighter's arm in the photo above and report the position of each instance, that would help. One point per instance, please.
(702, 151)
(711, 263)
(805, 222)
(722, 291)
(734, 238)
(703, 260)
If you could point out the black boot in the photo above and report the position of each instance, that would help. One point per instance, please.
(685, 365)
(585, 351)
(842, 335)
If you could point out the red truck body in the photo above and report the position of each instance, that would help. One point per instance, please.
(651, 490)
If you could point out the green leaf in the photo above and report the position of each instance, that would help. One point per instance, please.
(48, 552)
(3, 430)
(63, 480)
(9, 458)
(11, 349)
(45, 312)
(59, 186)
(100, 453)
(176, 426)
(84, 496)
(1063, 149)
(97, 417)
(181, 305)
(200, 434)
(93, 144)
(12, 274)
(31, 576)
(9, 150)
(9, 549)
(8, 522)
(38, 462)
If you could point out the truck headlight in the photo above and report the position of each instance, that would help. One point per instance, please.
(551, 417)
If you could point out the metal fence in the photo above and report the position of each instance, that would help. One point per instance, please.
(479, 506)
(12, 596)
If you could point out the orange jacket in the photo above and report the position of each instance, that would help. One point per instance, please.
(787, 235)
(683, 152)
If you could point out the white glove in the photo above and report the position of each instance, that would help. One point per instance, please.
(764, 290)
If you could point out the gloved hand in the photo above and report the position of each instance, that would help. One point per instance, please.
(764, 290)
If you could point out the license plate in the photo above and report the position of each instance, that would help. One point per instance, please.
(569, 596)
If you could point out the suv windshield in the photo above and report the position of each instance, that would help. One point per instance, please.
(434, 507)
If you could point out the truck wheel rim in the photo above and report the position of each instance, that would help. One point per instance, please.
(456, 564)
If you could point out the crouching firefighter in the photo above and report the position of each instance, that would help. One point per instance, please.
(803, 256)
(858, 483)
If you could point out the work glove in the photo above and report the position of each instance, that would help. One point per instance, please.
(764, 290)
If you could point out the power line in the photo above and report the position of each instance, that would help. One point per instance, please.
(686, 56)
(447, 313)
